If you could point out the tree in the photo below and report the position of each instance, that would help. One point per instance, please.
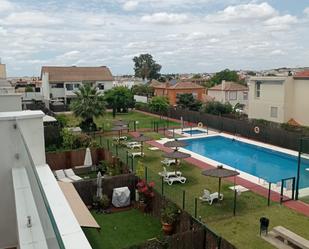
(120, 99)
(28, 89)
(146, 67)
(217, 108)
(88, 104)
(142, 90)
(187, 100)
(224, 75)
(159, 104)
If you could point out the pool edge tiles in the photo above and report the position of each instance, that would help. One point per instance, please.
(247, 176)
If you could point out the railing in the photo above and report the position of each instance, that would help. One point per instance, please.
(47, 219)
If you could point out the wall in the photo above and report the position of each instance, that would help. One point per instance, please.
(8, 229)
(301, 101)
(172, 94)
(2, 71)
(10, 102)
(272, 94)
(45, 86)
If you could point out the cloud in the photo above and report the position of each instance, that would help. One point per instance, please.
(32, 18)
(281, 22)
(165, 18)
(277, 52)
(240, 12)
(306, 11)
(130, 5)
(6, 6)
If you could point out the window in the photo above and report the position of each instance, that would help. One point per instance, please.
(69, 87)
(101, 86)
(245, 95)
(76, 86)
(274, 112)
(58, 85)
(233, 95)
(258, 89)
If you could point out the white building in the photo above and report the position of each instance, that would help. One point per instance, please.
(34, 213)
(59, 83)
(280, 99)
(230, 92)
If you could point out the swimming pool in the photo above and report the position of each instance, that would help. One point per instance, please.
(194, 132)
(252, 159)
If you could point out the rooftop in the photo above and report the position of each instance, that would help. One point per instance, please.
(178, 85)
(303, 74)
(229, 86)
(73, 73)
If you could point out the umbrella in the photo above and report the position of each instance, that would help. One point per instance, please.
(220, 172)
(142, 139)
(174, 144)
(88, 159)
(99, 185)
(176, 155)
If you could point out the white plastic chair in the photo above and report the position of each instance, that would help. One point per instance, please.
(60, 175)
(71, 175)
(207, 196)
(135, 146)
(169, 173)
(135, 154)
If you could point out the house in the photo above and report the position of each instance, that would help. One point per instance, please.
(230, 92)
(172, 92)
(59, 83)
(280, 99)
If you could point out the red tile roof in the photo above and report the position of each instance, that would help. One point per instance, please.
(229, 86)
(59, 74)
(303, 74)
(186, 85)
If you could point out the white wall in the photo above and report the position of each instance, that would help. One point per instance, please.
(301, 101)
(9, 146)
(272, 95)
(10, 102)
(141, 99)
(45, 86)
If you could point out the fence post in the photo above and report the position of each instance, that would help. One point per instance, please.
(100, 140)
(117, 150)
(127, 158)
(146, 173)
(195, 207)
(281, 192)
(173, 132)
(162, 186)
(269, 189)
(235, 195)
(183, 199)
(219, 242)
(132, 164)
(107, 144)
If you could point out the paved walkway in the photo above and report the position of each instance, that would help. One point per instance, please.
(298, 206)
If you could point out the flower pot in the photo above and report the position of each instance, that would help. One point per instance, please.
(167, 228)
(142, 206)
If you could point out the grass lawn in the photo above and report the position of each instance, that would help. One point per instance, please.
(242, 230)
(145, 121)
(123, 229)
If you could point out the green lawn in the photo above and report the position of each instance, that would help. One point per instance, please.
(123, 229)
(106, 121)
(242, 230)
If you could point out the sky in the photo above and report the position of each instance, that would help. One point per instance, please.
(184, 36)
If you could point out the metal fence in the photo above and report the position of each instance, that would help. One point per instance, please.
(268, 134)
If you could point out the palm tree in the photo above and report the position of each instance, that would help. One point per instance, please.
(88, 104)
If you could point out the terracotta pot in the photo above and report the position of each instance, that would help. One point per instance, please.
(167, 228)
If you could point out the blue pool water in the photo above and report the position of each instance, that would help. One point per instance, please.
(254, 160)
(194, 132)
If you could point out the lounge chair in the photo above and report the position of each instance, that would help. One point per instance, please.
(207, 196)
(61, 176)
(168, 162)
(171, 179)
(120, 138)
(166, 173)
(134, 146)
(129, 144)
(70, 174)
(135, 154)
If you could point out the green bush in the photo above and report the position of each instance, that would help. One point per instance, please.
(218, 108)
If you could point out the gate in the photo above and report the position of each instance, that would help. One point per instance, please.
(287, 191)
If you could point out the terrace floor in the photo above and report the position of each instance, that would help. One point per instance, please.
(123, 229)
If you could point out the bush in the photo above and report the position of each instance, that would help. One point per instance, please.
(62, 120)
(104, 202)
(29, 89)
(218, 108)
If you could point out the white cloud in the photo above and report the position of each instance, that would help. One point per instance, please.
(32, 18)
(250, 11)
(306, 11)
(130, 5)
(6, 6)
(165, 18)
(277, 52)
(281, 22)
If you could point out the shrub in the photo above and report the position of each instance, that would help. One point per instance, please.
(104, 202)
(218, 108)
(169, 213)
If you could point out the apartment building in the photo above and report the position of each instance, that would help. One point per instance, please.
(59, 83)
(280, 99)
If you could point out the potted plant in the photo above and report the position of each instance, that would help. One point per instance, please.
(145, 192)
(169, 215)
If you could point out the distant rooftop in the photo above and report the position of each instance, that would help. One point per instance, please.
(178, 85)
(229, 86)
(60, 74)
(303, 74)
